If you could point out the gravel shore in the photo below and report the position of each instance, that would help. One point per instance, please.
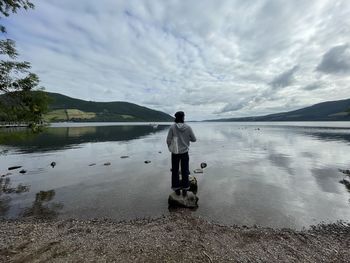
(179, 237)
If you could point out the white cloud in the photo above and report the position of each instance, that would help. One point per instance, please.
(212, 59)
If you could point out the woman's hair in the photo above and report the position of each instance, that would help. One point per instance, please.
(179, 117)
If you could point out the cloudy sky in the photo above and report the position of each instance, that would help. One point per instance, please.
(212, 59)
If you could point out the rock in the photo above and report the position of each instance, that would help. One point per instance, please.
(92, 164)
(108, 163)
(193, 184)
(189, 201)
(14, 167)
(347, 172)
(346, 183)
(22, 188)
(147, 161)
(203, 165)
(159, 152)
(124, 156)
(198, 171)
(53, 164)
(23, 171)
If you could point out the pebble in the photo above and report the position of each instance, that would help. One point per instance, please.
(23, 171)
(124, 156)
(108, 163)
(147, 161)
(92, 164)
(198, 171)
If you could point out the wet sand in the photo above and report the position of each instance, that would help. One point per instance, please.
(180, 237)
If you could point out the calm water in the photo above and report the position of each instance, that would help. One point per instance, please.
(269, 174)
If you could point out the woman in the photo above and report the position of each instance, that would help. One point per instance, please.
(184, 135)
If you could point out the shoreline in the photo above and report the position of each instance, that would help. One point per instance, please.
(178, 237)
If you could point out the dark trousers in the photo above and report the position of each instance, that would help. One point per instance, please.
(176, 159)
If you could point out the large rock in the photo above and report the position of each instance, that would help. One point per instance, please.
(189, 201)
(193, 184)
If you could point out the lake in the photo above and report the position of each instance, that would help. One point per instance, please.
(268, 174)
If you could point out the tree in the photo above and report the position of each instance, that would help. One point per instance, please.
(22, 99)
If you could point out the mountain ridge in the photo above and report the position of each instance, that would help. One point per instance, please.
(338, 110)
(65, 108)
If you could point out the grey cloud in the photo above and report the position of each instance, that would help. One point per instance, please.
(208, 57)
(285, 79)
(336, 60)
(313, 86)
(232, 106)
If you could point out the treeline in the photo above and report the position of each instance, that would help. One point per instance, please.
(18, 102)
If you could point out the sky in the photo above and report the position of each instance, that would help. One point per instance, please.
(211, 59)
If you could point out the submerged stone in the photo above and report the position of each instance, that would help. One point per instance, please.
(203, 165)
(189, 201)
(14, 167)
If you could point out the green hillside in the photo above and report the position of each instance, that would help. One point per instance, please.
(325, 111)
(64, 108)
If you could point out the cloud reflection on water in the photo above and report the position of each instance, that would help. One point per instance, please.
(272, 176)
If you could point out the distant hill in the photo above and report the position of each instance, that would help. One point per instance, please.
(64, 108)
(326, 111)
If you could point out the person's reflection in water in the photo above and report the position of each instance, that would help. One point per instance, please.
(41, 208)
(179, 137)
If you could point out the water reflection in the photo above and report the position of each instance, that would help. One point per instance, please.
(59, 138)
(327, 134)
(42, 207)
(345, 181)
(266, 175)
(6, 191)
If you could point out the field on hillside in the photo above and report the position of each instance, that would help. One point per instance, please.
(69, 114)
